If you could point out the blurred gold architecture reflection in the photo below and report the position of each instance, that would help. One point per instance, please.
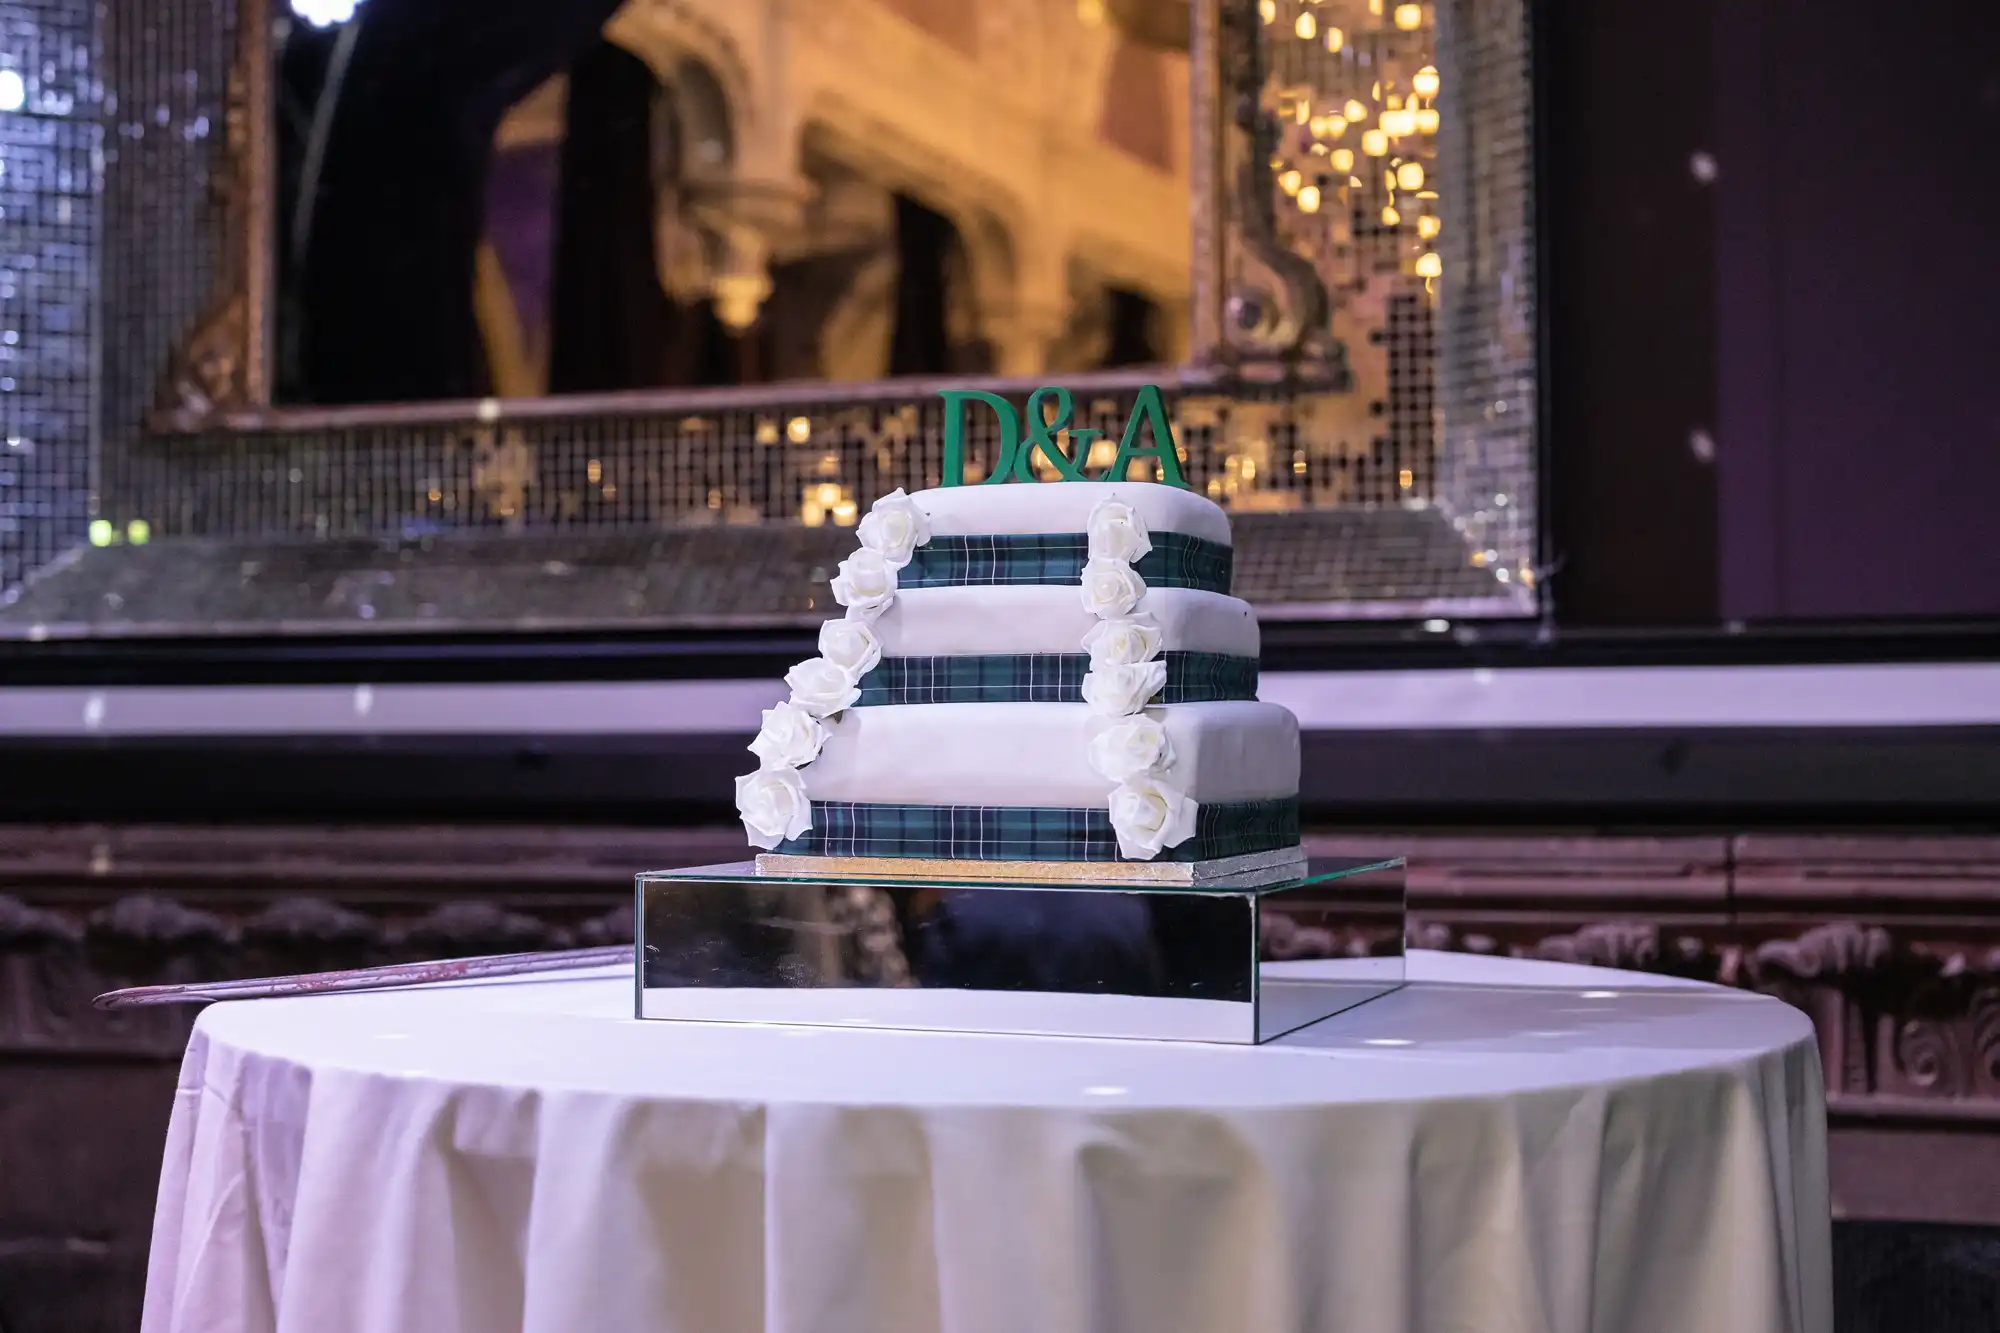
(817, 168)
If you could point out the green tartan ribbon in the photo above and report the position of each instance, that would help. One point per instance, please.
(1176, 561)
(1032, 833)
(1045, 678)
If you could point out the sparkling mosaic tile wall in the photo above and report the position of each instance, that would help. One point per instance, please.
(1402, 171)
(1487, 339)
(166, 72)
(49, 217)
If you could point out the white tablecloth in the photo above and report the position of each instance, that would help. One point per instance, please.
(1499, 1147)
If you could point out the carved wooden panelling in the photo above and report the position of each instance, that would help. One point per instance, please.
(1892, 945)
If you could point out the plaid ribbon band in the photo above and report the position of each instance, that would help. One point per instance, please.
(1045, 678)
(1176, 561)
(1031, 833)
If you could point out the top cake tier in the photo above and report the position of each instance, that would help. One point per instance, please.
(1020, 534)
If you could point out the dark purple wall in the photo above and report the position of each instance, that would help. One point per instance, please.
(1858, 301)
(1625, 96)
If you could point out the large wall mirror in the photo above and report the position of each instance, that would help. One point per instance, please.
(578, 196)
(528, 314)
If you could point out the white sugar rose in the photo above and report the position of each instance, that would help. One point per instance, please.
(789, 738)
(773, 804)
(1131, 748)
(1123, 641)
(821, 688)
(894, 528)
(1147, 815)
(1117, 691)
(1110, 588)
(851, 645)
(1117, 532)
(865, 585)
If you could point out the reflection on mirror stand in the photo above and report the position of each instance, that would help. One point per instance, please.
(1146, 960)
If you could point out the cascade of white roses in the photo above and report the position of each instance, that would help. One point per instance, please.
(772, 800)
(1125, 673)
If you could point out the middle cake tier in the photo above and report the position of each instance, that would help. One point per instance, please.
(1028, 645)
(1051, 618)
(1038, 754)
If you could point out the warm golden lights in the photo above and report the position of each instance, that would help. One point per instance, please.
(1356, 169)
(828, 501)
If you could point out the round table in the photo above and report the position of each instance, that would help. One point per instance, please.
(1499, 1146)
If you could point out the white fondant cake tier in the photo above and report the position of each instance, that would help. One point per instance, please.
(1035, 754)
(963, 511)
(1050, 618)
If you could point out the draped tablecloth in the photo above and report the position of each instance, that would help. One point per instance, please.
(1500, 1146)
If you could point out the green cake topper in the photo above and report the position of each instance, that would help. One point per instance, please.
(1017, 456)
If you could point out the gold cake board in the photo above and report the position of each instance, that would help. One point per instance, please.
(1255, 870)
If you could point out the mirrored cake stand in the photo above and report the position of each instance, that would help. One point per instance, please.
(1181, 957)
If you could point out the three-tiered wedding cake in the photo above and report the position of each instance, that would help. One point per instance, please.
(1031, 681)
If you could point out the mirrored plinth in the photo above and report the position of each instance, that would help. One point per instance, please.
(1169, 962)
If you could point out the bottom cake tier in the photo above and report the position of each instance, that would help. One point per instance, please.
(857, 829)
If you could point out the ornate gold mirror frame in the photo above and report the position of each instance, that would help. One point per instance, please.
(221, 372)
(1259, 309)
